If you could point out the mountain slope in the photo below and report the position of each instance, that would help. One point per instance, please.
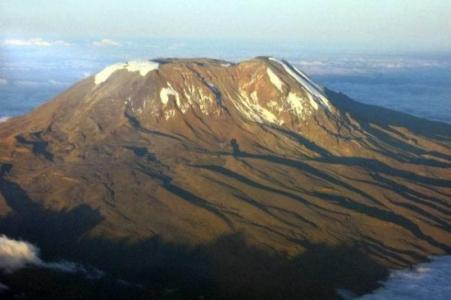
(189, 151)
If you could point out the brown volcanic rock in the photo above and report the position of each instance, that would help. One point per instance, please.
(191, 150)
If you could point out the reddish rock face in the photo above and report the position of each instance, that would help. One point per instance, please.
(191, 150)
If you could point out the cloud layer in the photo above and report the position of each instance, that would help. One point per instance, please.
(15, 255)
(364, 65)
(425, 281)
(106, 43)
(35, 42)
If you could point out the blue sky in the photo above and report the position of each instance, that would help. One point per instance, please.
(352, 24)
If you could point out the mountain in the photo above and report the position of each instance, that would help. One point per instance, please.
(226, 173)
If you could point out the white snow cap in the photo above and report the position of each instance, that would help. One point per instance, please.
(169, 91)
(275, 80)
(315, 92)
(143, 67)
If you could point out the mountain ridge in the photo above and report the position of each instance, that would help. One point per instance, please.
(190, 150)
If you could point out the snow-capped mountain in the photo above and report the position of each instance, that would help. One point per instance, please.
(191, 150)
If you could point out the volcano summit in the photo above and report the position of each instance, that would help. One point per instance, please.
(209, 177)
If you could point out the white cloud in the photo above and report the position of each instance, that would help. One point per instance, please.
(3, 82)
(425, 281)
(15, 255)
(54, 82)
(71, 267)
(106, 43)
(367, 65)
(35, 42)
(34, 84)
(30, 83)
(3, 119)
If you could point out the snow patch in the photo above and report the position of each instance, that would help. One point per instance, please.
(312, 88)
(169, 91)
(252, 110)
(103, 75)
(143, 67)
(168, 114)
(3, 119)
(204, 102)
(275, 80)
(313, 103)
(297, 105)
(254, 97)
(275, 106)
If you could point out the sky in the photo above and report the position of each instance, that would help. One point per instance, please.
(392, 25)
